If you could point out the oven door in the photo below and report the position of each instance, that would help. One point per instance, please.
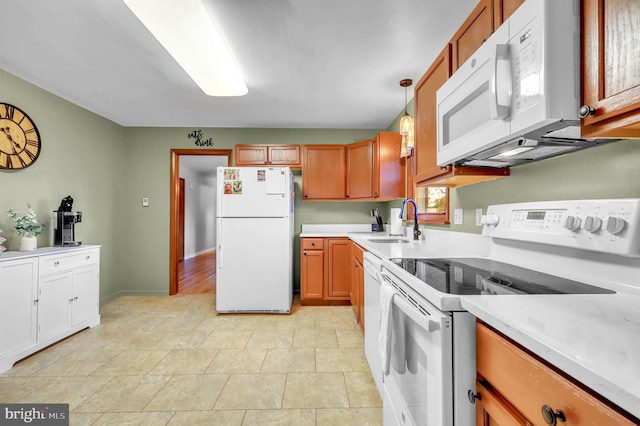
(419, 384)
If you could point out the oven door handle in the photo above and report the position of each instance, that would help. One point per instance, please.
(412, 312)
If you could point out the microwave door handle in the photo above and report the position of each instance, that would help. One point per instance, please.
(500, 100)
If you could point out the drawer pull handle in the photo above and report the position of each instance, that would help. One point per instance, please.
(473, 396)
(56, 263)
(88, 257)
(551, 417)
(585, 111)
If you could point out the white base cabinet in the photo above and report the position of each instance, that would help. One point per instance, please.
(46, 296)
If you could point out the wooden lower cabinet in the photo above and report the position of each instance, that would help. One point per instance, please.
(312, 275)
(338, 268)
(515, 387)
(324, 271)
(356, 280)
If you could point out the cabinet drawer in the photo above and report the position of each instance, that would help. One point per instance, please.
(63, 262)
(312, 243)
(529, 384)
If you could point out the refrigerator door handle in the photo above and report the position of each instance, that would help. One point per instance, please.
(219, 250)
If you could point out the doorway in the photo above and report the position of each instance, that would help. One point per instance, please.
(176, 231)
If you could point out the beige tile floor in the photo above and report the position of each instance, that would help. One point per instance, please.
(173, 360)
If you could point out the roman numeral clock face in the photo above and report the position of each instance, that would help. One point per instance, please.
(19, 138)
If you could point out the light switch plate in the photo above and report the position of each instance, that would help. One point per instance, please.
(457, 216)
(478, 217)
(145, 202)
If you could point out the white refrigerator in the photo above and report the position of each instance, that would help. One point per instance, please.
(254, 232)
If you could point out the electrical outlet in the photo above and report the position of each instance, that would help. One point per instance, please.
(458, 274)
(145, 202)
(478, 217)
(457, 216)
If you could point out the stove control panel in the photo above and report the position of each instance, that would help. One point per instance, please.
(608, 226)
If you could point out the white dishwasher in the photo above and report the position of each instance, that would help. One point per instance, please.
(372, 267)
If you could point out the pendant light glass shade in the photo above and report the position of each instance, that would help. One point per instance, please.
(406, 125)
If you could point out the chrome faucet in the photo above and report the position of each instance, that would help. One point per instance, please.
(416, 230)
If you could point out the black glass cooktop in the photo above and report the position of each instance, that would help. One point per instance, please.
(475, 276)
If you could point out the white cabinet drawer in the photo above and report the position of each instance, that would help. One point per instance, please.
(58, 263)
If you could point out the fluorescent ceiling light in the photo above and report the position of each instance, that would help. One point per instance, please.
(186, 31)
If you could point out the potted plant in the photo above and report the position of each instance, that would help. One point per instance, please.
(2, 240)
(28, 228)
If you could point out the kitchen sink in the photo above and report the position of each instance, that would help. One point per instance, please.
(387, 240)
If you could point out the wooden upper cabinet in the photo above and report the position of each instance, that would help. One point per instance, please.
(285, 155)
(389, 175)
(611, 68)
(264, 155)
(375, 169)
(324, 172)
(502, 9)
(473, 32)
(361, 164)
(250, 155)
(425, 117)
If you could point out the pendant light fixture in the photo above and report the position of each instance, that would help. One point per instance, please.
(406, 124)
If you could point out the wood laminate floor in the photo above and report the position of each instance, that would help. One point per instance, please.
(197, 274)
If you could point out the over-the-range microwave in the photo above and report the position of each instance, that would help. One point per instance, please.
(516, 99)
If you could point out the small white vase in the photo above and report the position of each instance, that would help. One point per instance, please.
(28, 242)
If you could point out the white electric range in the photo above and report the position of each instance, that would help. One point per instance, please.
(544, 254)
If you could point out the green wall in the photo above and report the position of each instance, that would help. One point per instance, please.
(108, 169)
(147, 174)
(81, 156)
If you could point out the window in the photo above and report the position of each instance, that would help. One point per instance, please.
(433, 204)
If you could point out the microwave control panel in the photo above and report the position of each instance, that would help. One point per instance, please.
(608, 226)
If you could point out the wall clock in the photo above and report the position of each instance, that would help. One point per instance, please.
(19, 138)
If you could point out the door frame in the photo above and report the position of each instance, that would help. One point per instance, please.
(174, 206)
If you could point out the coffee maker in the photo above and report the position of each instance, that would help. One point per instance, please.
(64, 221)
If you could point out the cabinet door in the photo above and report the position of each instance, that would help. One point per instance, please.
(502, 9)
(338, 279)
(18, 306)
(611, 68)
(323, 172)
(354, 288)
(86, 285)
(312, 275)
(54, 306)
(492, 410)
(361, 167)
(426, 166)
(475, 30)
(251, 155)
(284, 155)
(530, 385)
(389, 174)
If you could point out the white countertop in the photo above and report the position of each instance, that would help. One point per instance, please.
(593, 338)
(44, 251)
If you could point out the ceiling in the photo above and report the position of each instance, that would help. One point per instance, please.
(307, 63)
